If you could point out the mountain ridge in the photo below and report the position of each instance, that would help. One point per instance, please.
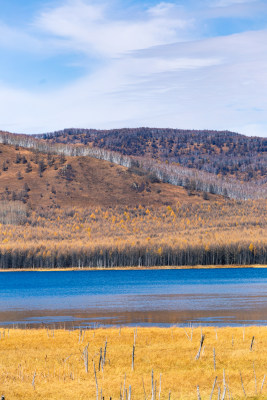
(218, 152)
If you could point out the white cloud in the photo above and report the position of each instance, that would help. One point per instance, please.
(89, 28)
(149, 74)
(15, 39)
(226, 3)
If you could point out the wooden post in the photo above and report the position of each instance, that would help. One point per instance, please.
(252, 341)
(105, 351)
(100, 359)
(200, 347)
(85, 357)
(133, 358)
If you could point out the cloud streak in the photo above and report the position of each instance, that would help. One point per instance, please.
(152, 67)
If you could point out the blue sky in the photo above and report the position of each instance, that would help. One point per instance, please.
(103, 64)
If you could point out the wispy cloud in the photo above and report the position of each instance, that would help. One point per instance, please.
(226, 3)
(89, 28)
(152, 66)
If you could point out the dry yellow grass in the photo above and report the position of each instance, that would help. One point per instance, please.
(37, 364)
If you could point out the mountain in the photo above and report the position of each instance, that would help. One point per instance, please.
(51, 180)
(221, 153)
(245, 180)
(76, 205)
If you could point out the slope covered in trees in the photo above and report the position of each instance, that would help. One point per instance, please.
(222, 153)
(173, 173)
(51, 180)
(183, 234)
(70, 205)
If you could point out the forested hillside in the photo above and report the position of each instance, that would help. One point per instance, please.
(219, 152)
(208, 233)
(41, 179)
(75, 205)
(192, 179)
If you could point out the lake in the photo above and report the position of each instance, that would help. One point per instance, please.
(220, 297)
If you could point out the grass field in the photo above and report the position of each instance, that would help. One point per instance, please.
(63, 364)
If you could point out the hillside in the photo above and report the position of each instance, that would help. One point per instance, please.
(222, 153)
(50, 180)
(69, 205)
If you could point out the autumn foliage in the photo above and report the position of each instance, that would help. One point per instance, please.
(200, 234)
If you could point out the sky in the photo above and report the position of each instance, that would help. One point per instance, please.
(187, 64)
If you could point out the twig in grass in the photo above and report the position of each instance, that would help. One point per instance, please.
(159, 386)
(213, 387)
(214, 359)
(186, 334)
(124, 387)
(262, 383)
(255, 378)
(152, 385)
(198, 394)
(242, 384)
(33, 380)
(96, 384)
(144, 388)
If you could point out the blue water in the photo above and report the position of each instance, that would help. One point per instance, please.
(135, 297)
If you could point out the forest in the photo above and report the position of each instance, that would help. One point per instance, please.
(75, 206)
(219, 152)
(204, 234)
(235, 186)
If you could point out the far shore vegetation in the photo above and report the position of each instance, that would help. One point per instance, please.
(229, 233)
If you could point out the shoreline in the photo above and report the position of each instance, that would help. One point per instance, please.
(183, 267)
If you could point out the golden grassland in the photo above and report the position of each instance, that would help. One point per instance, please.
(47, 364)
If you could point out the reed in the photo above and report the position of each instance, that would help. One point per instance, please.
(37, 365)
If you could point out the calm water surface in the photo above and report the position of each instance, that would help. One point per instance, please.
(136, 297)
